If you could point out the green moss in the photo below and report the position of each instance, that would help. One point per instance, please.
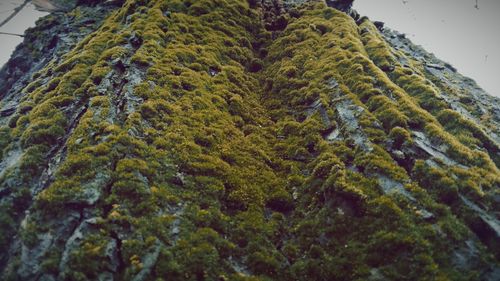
(31, 160)
(7, 224)
(196, 256)
(5, 139)
(219, 159)
(255, 65)
(86, 261)
(28, 235)
(444, 187)
(376, 47)
(400, 137)
(467, 132)
(392, 118)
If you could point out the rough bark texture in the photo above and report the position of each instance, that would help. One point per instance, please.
(241, 140)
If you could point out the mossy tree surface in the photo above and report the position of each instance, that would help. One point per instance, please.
(190, 143)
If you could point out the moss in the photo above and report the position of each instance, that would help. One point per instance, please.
(5, 139)
(456, 150)
(255, 65)
(45, 132)
(85, 262)
(31, 160)
(51, 263)
(99, 73)
(8, 226)
(387, 103)
(376, 47)
(466, 131)
(114, 53)
(224, 161)
(392, 118)
(28, 235)
(400, 137)
(53, 84)
(198, 255)
(444, 187)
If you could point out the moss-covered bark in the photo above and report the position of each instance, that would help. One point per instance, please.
(216, 140)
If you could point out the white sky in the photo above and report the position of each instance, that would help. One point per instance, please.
(26, 18)
(454, 30)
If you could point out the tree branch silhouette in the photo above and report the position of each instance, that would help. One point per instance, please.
(13, 34)
(14, 13)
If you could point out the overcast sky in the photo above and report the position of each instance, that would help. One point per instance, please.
(26, 18)
(454, 30)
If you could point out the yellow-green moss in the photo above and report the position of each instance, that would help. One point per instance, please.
(218, 157)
